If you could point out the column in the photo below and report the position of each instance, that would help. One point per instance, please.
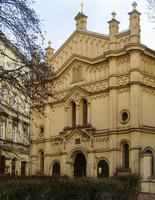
(78, 114)
(66, 116)
(63, 168)
(89, 113)
(90, 164)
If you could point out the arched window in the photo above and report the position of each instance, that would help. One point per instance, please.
(73, 107)
(56, 169)
(148, 151)
(125, 156)
(102, 169)
(85, 112)
(42, 162)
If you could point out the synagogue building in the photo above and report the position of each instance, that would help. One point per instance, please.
(100, 121)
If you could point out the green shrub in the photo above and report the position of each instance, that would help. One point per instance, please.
(63, 188)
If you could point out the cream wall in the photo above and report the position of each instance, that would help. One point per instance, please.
(99, 112)
(148, 99)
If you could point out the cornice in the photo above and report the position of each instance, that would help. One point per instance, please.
(106, 56)
(108, 132)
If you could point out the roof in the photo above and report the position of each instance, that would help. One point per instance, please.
(80, 15)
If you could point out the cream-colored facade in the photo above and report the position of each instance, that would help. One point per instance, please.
(101, 119)
(14, 117)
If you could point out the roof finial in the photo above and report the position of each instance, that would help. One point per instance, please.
(113, 14)
(49, 44)
(82, 5)
(134, 4)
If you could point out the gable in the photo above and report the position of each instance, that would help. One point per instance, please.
(76, 94)
(81, 43)
(75, 134)
(79, 73)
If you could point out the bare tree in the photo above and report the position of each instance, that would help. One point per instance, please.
(21, 30)
(151, 7)
(24, 76)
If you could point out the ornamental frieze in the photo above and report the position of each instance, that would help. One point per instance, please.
(148, 81)
(124, 80)
(96, 87)
(148, 65)
(124, 90)
(102, 139)
(148, 91)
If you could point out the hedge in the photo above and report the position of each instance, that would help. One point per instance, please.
(63, 188)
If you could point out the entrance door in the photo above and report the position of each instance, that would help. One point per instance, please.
(80, 165)
(56, 169)
(2, 164)
(102, 169)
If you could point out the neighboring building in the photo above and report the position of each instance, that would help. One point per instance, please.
(101, 120)
(14, 117)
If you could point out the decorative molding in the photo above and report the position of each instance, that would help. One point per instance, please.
(123, 90)
(148, 91)
(102, 139)
(147, 80)
(123, 64)
(95, 87)
(123, 80)
(99, 96)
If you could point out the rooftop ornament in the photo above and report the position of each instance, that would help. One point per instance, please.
(134, 4)
(82, 5)
(49, 44)
(113, 14)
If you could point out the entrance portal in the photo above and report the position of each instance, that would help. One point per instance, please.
(80, 165)
(102, 169)
(56, 169)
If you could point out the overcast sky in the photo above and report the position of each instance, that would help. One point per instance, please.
(58, 18)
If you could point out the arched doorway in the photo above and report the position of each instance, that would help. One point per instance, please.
(80, 165)
(56, 169)
(102, 169)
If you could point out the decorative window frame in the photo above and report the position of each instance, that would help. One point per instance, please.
(128, 117)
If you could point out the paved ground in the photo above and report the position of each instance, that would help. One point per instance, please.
(146, 197)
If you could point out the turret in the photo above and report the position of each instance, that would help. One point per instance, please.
(113, 30)
(49, 52)
(81, 21)
(134, 24)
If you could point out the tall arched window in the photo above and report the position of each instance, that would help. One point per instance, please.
(148, 151)
(42, 162)
(85, 112)
(125, 156)
(73, 106)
